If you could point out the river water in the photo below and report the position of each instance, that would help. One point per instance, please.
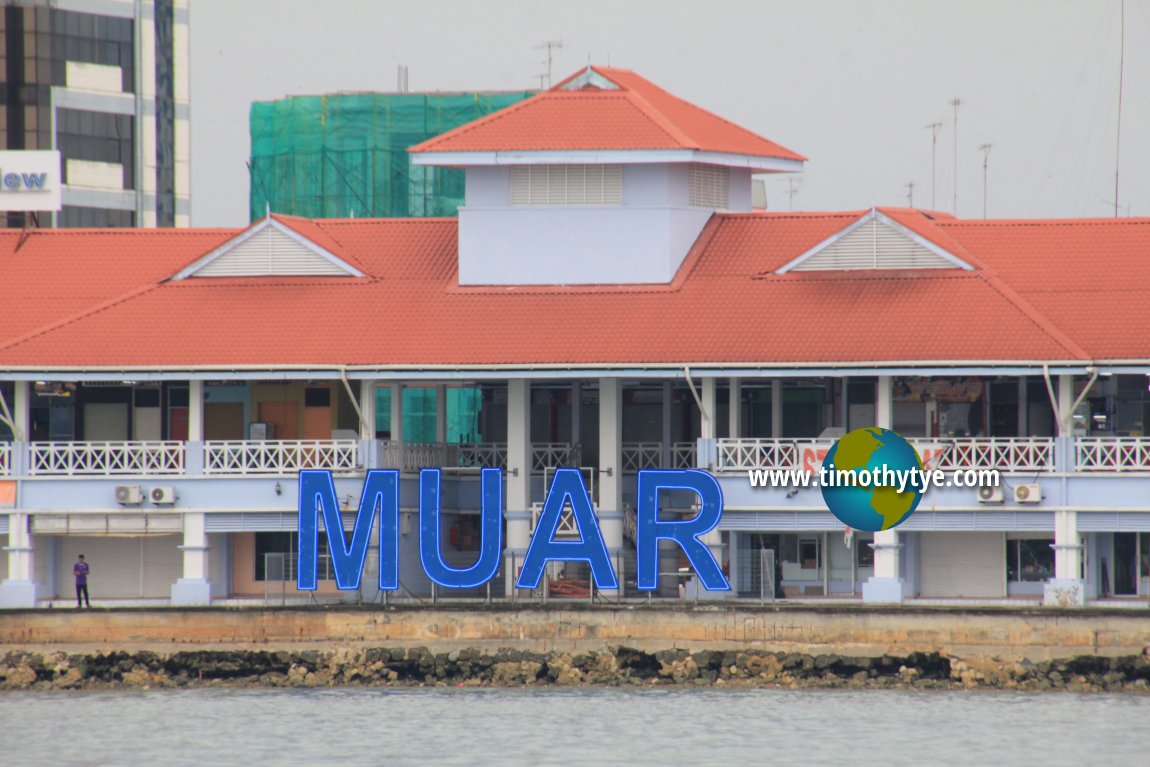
(352, 726)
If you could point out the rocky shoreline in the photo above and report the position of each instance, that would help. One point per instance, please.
(620, 666)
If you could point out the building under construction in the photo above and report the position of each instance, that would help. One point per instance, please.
(344, 155)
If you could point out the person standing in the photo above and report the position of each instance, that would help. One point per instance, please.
(81, 570)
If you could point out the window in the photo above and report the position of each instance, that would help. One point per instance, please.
(1029, 560)
(281, 552)
(567, 185)
(708, 184)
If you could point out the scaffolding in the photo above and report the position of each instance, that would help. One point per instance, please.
(345, 155)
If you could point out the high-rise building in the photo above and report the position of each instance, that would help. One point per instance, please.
(106, 83)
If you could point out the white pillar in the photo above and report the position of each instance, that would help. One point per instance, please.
(518, 478)
(735, 410)
(195, 411)
(885, 585)
(21, 412)
(1065, 401)
(193, 588)
(367, 410)
(707, 417)
(397, 414)
(610, 508)
(776, 408)
(1066, 588)
(440, 413)
(19, 590)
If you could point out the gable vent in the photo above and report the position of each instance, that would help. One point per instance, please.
(268, 248)
(874, 245)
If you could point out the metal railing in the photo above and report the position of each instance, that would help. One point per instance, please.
(1112, 454)
(481, 455)
(279, 456)
(413, 456)
(638, 456)
(105, 458)
(5, 458)
(546, 455)
(742, 454)
(1010, 454)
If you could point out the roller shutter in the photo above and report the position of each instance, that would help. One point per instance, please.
(963, 565)
(163, 564)
(115, 564)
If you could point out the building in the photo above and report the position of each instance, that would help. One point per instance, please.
(344, 155)
(105, 82)
(606, 300)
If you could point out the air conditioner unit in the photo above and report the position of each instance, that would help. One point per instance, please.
(129, 495)
(990, 494)
(1031, 493)
(163, 495)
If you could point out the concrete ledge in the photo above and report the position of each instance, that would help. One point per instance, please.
(873, 631)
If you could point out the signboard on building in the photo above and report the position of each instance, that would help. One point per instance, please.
(30, 180)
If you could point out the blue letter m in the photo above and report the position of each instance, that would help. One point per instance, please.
(316, 496)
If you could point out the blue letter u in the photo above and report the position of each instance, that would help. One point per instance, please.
(490, 534)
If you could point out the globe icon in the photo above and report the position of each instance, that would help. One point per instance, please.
(874, 507)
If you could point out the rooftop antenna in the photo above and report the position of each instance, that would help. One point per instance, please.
(910, 194)
(985, 149)
(551, 46)
(792, 190)
(1121, 67)
(933, 128)
(954, 103)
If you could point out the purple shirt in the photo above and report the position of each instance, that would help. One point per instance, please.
(80, 570)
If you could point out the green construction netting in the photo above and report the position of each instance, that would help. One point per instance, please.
(345, 155)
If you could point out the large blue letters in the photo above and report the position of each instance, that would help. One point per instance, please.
(490, 535)
(651, 530)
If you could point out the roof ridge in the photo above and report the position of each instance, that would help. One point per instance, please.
(428, 144)
(1010, 294)
(656, 116)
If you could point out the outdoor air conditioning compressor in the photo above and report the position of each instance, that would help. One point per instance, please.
(990, 494)
(129, 495)
(1030, 493)
(163, 495)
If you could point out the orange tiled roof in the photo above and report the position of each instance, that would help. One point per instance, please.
(636, 115)
(104, 301)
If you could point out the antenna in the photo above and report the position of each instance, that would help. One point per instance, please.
(792, 190)
(954, 103)
(1121, 67)
(551, 46)
(985, 149)
(910, 194)
(933, 128)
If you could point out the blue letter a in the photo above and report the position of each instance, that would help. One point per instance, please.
(567, 486)
(685, 533)
(490, 535)
(316, 492)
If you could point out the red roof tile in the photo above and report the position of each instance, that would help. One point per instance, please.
(637, 115)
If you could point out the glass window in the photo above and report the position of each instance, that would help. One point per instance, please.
(1029, 560)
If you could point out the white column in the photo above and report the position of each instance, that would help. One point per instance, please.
(518, 478)
(440, 413)
(707, 417)
(776, 408)
(735, 410)
(1066, 588)
(367, 410)
(885, 585)
(193, 588)
(19, 590)
(1065, 401)
(195, 411)
(21, 412)
(610, 508)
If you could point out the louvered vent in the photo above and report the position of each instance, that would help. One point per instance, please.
(567, 185)
(874, 245)
(269, 252)
(709, 185)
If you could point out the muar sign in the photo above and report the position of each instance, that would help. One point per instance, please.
(380, 498)
(30, 180)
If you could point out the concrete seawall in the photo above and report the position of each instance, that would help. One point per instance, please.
(858, 631)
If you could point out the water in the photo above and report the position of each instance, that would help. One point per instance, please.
(569, 727)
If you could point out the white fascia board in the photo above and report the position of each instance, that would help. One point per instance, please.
(200, 263)
(454, 373)
(609, 157)
(866, 218)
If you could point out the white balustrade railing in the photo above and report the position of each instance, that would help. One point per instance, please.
(279, 456)
(743, 454)
(1112, 454)
(567, 528)
(546, 455)
(638, 456)
(481, 455)
(5, 458)
(105, 458)
(1010, 454)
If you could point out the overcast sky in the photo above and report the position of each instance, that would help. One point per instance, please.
(850, 84)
